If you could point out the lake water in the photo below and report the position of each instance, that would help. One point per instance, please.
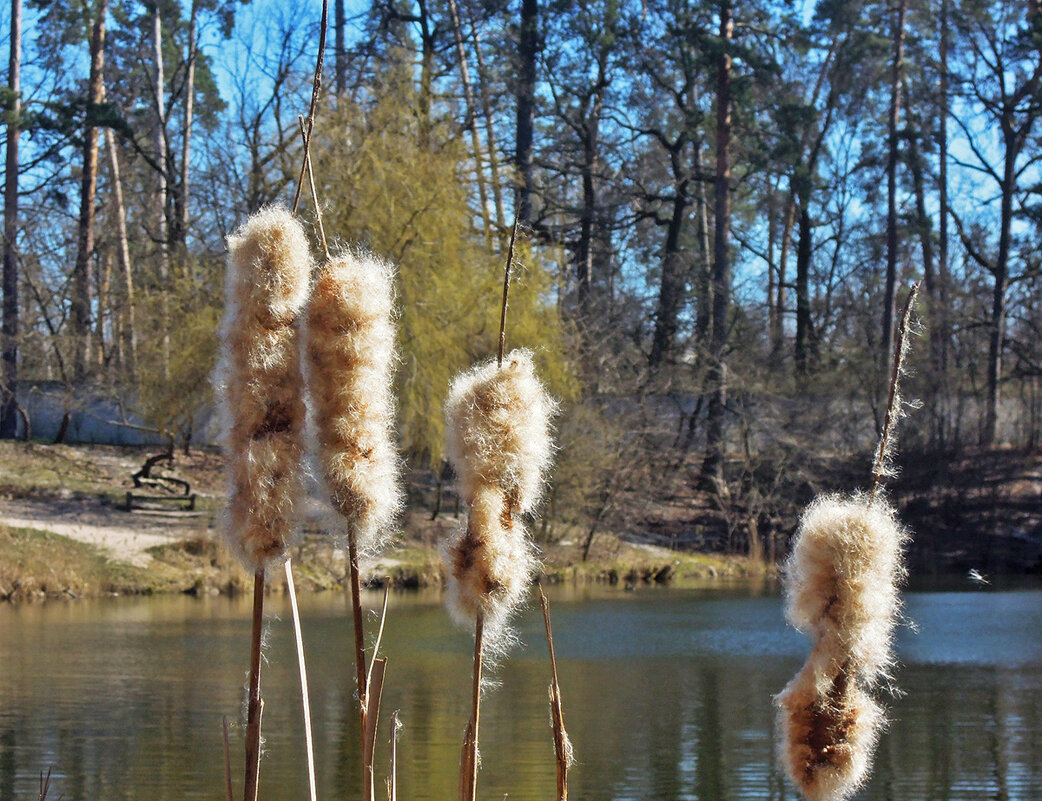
(667, 696)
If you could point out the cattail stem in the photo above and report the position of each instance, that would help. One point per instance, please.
(506, 292)
(255, 706)
(305, 696)
(468, 785)
(311, 182)
(228, 793)
(360, 660)
(392, 780)
(315, 88)
(886, 436)
(562, 749)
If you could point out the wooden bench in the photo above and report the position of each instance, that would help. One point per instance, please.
(138, 497)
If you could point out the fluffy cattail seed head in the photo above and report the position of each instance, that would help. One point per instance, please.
(843, 574)
(350, 359)
(500, 446)
(260, 381)
(842, 587)
(499, 429)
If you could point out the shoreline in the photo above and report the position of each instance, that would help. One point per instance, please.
(39, 565)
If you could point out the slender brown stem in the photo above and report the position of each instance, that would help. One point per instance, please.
(315, 87)
(228, 794)
(562, 748)
(255, 707)
(304, 695)
(469, 762)
(311, 181)
(886, 436)
(392, 781)
(506, 292)
(360, 659)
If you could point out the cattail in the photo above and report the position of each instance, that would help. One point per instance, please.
(267, 283)
(350, 357)
(842, 588)
(500, 446)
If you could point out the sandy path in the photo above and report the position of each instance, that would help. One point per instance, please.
(126, 536)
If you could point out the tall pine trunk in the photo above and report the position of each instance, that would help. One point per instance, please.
(528, 51)
(162, 190)
(712, 466)
(8, 396)
(80, 305)
(127, 337)
(886, 344)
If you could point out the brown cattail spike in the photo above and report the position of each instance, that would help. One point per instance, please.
(842, 588)
(350, 359)
(267, 282)
(500, 446)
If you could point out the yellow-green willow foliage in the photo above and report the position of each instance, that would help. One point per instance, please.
(269, 265)
(385, 188)
(841, 585)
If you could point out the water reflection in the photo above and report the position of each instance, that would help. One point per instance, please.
(667, 698)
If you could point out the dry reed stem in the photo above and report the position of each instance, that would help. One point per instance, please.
(311, 182)
(562, 745)
(305, 697)
(316, 86)
(255, 706)
(881, 468)
(374, 695)
(506, 292)
(228, 793)
(392, 779)
(468, 777)
(45, 785)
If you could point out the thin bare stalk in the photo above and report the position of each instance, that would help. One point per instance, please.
(360, 658)
(311, 181)
(255, 707)
(893, 403)
(45, 784)
(468, 780)
(227, 761)
(374, 686)
(506, 292)
(315, 88)
(562, 746)
(392, 780)
(379, 633)
(305, 696)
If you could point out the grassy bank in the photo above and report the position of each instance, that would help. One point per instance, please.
(36, 565)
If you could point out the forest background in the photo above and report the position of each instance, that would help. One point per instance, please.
(722, 205)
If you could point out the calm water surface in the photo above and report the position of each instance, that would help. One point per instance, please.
(667, 697)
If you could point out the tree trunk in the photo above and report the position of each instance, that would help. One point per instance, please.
(712, 466)
(490, 129)
(471, 120)
(183, 217)
(80, 302)
(671, 288)
(803, 318)
(426, 72)
(127, 330)
(587, 212)
(9, 403)
(703, 279)
(528, 51)
(891, 189)
(160, 199)
(340, 56)
(997, 323)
